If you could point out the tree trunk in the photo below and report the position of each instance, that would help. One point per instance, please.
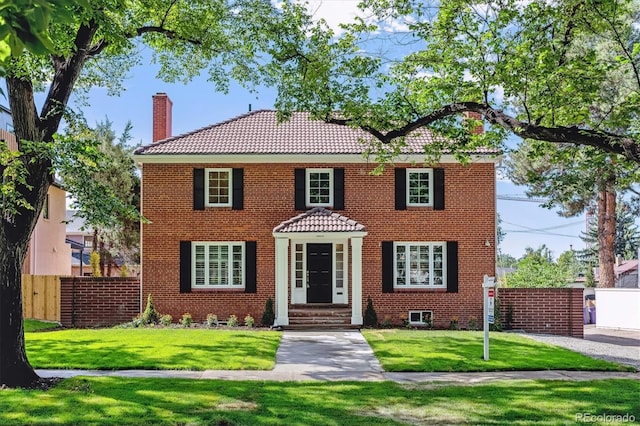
(606, 234)
(15, 370)
(16, 220)
(15, 233)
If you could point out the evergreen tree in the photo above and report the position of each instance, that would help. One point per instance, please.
(627, 239)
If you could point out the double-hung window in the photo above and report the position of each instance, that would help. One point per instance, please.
(420, 265)
(218, 187)
(420, 187)
(319, 184)
(218, 265)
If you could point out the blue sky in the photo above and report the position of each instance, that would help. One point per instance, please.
(197, 105)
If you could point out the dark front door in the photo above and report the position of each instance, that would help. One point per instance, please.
(319, 273)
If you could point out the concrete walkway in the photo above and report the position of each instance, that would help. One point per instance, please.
(338, 355)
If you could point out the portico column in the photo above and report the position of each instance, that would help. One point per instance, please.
(356, 281)
(282, 281)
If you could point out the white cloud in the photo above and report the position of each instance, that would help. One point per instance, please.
(334, 12)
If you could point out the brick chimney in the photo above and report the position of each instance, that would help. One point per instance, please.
(478, 130)
(161, 116)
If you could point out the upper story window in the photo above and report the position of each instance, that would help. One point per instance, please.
(419, 187)
(45, 208)
(218, 265)
(218, 187)
(419, 265)
(319, 183)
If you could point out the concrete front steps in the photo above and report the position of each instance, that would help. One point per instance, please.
(320, 316)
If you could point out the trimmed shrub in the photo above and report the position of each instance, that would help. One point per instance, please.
(150, 315)
(212, 320)
(370, 315)
(249, 321)
(232, 321)
(268, 317)
(166, 320)
(186, 320)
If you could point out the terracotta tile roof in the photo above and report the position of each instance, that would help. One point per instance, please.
(259, 132)
(319, 219)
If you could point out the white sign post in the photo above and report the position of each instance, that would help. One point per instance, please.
(489, 288)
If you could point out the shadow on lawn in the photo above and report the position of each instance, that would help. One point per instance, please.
(109, 400)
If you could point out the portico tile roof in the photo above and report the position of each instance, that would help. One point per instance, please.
(319, 219)
(259, 132)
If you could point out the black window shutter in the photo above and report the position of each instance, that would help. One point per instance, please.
(452, 266)
(185, 266)
(438, 189)
(387, 266)
(250, 267)
(401, 189)
(338, 189)
(198, 189)
(300, 189)
(238, 189)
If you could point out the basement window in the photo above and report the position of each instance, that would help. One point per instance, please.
(421, 317)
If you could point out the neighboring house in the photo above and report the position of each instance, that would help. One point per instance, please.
(250, 209)
(81, 241)
(48, 253)
(626, 272)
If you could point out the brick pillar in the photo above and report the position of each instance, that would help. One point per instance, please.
(576, 320)
(67, 301)
(161, 116)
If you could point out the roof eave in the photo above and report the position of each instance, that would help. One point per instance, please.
(295, 158)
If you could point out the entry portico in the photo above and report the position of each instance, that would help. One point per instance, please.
(322, 253)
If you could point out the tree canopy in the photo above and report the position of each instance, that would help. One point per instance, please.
(535, 69)
(537, 269)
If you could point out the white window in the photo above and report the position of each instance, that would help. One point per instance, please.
(421, 318)
(217, 187)
(419, 265)
(420, 187)
(218, 265)
(299, 266)
(319, 187)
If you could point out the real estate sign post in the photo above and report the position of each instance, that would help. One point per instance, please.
(488, 287)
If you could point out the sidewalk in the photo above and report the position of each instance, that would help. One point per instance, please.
(338, 355)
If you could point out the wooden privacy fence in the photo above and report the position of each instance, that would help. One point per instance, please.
(41, 297)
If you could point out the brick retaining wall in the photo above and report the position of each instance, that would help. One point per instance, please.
(98, 302)
(544, 310)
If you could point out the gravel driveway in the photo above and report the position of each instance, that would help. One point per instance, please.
(619, 346)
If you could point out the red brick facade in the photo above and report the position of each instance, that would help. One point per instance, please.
(544, 310)
(468, 219)
(98, 302)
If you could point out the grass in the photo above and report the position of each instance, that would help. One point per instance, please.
(153, 349)
(119, 401)
(31, 325)
(462, 351)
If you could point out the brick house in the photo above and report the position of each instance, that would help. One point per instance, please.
(249, 209)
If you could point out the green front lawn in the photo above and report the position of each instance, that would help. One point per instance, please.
(153, 349)
(435, 350)
(31, 325)
(121, 401)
